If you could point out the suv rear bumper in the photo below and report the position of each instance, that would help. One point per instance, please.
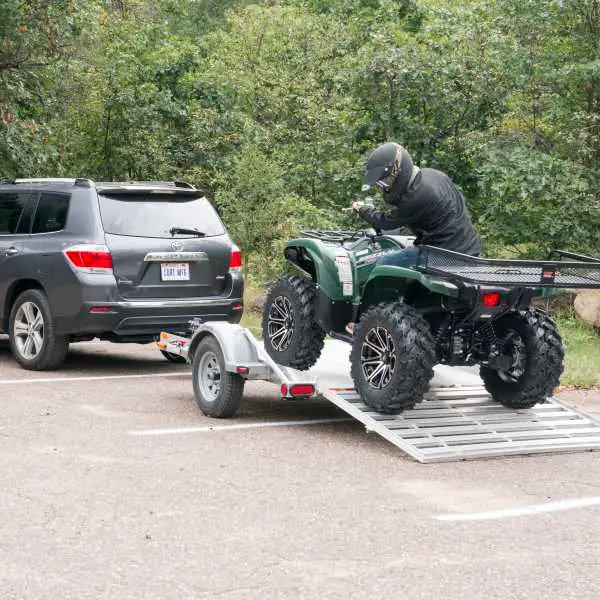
(145, 319)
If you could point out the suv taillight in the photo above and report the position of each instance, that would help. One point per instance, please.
(90, 258)
(235, 260)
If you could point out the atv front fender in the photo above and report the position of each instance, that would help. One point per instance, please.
(317, 262)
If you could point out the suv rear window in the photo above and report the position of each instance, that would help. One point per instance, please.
(154, 216)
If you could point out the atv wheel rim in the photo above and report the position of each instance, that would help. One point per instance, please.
(378, 357)
(281, 323)
(209, 377)
(514, 347)
(29, 330)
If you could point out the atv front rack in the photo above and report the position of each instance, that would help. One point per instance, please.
(568, 270)
(337, 236)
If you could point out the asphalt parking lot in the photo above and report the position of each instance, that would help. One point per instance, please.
(113, 485)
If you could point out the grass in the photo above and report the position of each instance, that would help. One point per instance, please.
(582, 345)
(582, 352)
(252, 321)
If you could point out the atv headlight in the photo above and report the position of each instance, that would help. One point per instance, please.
(344, 266)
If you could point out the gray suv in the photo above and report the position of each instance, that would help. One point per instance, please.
(117, 261)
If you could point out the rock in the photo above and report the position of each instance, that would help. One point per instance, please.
(560, 303)
(587, 307)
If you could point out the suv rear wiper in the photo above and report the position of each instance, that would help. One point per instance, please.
(186, 231)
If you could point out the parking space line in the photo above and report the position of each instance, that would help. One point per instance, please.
(92, 378)
(534, 509)
(207, 428)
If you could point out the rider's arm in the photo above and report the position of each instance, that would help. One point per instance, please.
(389, 219)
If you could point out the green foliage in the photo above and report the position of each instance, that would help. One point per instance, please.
(536, 200)
(272, 106)
(582, 356)
(263, 212)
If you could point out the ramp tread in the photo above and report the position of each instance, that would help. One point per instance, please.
(465, 423)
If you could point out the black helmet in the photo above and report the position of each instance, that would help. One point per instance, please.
(388, 165)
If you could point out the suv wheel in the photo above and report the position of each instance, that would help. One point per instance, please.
(33, 342)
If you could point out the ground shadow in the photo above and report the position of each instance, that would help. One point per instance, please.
(106, 359)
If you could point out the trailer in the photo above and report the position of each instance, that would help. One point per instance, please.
(455, 422)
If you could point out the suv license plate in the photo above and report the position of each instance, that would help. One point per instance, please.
(175, 271)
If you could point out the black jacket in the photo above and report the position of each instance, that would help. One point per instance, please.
(434, 209)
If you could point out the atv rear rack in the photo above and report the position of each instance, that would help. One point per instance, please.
(569, 271)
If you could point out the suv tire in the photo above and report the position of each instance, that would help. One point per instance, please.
(33, 341)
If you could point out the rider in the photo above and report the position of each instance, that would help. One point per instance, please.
(423, 199)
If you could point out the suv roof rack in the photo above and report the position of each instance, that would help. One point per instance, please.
(83, 182)
(167, 184)
(79, 181)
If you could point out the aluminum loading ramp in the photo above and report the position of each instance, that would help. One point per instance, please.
(463, 423)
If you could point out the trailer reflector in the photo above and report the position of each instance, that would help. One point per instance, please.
(302, 390)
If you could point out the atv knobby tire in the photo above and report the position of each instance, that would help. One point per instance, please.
(291, 301)
(543, 361)
(413, 358)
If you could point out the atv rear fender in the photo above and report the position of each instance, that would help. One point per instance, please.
(400, 278)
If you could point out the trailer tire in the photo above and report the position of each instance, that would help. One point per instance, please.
(218, 392)
(543, 360)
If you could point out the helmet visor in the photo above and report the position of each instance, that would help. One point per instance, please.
(374, 176)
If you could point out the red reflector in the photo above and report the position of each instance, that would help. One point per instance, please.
(235, 260)
(284, 389)
(302, 390)
(89, 257)
(243, 370)
(238, 307)
(99, 310)
(491, 299)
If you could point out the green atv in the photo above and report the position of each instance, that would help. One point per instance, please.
(449, 308)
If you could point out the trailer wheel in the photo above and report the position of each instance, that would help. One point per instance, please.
(218, 392)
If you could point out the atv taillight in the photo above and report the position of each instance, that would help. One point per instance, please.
(90, 258)
(491, 299)
(235, 260)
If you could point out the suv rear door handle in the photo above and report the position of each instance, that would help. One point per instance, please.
(12, 251)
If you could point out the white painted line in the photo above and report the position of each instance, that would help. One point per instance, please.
(261, 424)
(91, 378)
(534, 509)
